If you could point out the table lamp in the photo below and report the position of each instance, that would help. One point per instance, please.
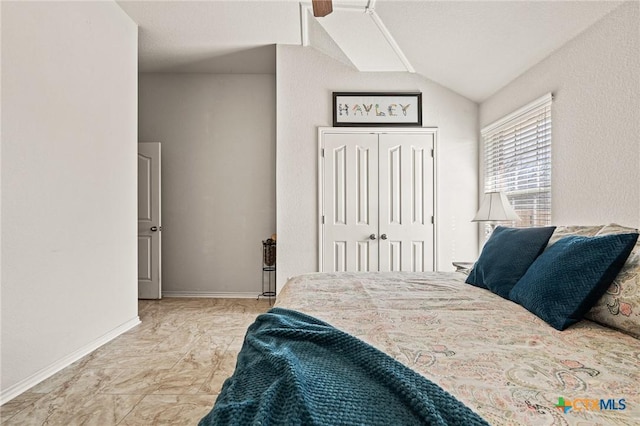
(495, 207)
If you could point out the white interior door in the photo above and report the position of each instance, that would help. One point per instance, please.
(377, 201)
(406, 207)
(149, 222)
(350, 199)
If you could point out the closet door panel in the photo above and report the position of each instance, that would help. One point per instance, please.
(406, 204)
(350, 200)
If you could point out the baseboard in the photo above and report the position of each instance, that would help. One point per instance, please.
(212, 295)
(20, 387)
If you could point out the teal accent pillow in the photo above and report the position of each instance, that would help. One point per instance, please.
(571, 276)
(506, 256)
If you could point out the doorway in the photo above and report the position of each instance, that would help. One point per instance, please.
(149, 221)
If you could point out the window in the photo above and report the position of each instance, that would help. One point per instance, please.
(517, 161)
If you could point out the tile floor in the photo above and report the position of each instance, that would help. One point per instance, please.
(166, 371)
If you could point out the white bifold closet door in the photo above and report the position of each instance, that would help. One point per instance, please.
(377, 195)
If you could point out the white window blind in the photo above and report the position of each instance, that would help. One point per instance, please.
(517, 161)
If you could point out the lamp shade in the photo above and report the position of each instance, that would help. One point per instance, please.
(495, 207)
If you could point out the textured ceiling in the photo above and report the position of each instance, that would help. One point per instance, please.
(201, 36)
(477, 47)
(472, 47)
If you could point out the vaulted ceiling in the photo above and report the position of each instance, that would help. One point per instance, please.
(472, 47)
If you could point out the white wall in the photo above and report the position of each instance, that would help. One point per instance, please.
(218, 177)
(305, 80)
(69, 80)
(596, 120)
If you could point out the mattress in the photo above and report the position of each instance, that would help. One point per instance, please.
(500, 360)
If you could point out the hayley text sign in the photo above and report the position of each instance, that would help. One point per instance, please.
(377, 109)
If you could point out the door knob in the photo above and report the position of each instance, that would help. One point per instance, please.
(154, 228)
(372, 236)
(383, 236)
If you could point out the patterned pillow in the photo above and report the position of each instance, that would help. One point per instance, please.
(564, 231)
(568, 279)
(620, 306)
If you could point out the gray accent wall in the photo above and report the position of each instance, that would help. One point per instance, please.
(218, 177)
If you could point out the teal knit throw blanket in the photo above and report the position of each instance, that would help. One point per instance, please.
(294, 369)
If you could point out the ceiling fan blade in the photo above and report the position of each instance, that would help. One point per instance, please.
(321, 8)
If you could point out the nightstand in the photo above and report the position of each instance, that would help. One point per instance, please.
(464, 267)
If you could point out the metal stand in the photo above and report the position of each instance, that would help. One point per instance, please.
(268, 270)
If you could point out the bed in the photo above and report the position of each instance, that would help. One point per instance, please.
(497, 358)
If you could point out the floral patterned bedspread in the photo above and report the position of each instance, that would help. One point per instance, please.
(490, 353)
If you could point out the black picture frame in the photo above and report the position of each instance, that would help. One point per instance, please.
(377, 109)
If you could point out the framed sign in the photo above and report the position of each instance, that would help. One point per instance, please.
(356, 109)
